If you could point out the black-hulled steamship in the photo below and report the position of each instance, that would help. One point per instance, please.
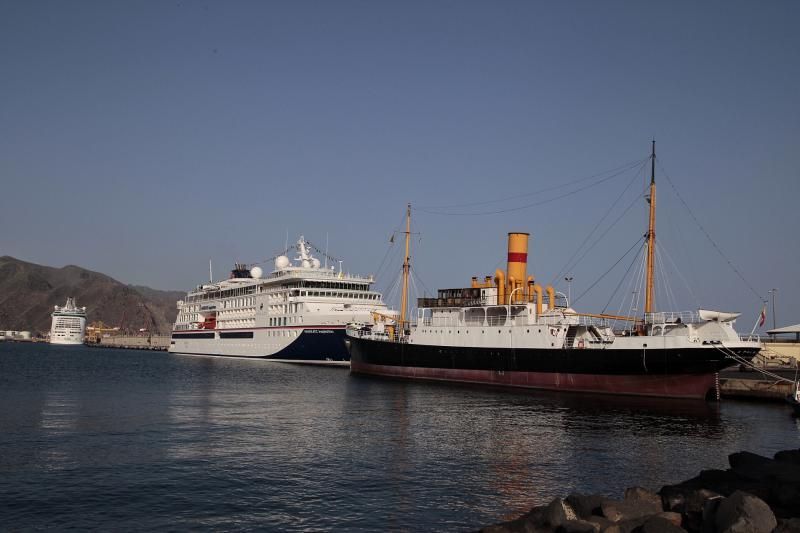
(509, 331)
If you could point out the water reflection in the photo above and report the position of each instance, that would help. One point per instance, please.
(239, 444)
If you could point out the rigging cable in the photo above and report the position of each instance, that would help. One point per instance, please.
(631, 284)
(419, 279)
(600, 238)
(534, 204)
(568, 265)
(669, 295)
(624, 276)
(714, 244)
(391, 247)
(680, 274)
(638, 241)
(625, 167)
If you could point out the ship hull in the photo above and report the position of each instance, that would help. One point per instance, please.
(317, 345)
(673, 373)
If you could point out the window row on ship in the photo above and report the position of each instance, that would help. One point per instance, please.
(252, 289)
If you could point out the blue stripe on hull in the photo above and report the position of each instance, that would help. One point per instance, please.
(312, 345)
(316, 345)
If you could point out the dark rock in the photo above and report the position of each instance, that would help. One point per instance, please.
(744, 513)
(789, 525)
(675, 518)
(578, 526)
(673, 498)
(559, 512)
(708, 515)
(586, 505)
(756, 467)
(601, 522)
(658, 524)
(723, 482)
(644, 495)
(627, 526)
(785, 496)
(617, 511)
(788, 456)
(696, 501)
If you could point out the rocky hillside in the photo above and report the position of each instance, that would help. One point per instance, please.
(29, 291)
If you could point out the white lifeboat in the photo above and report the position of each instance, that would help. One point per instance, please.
(717, 316)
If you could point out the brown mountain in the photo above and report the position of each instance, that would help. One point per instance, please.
(29, 291)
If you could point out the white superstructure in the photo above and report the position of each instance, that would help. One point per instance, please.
(69, 324)
(297, 313)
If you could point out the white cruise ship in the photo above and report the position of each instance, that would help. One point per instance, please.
(297, 313)
(69, 324)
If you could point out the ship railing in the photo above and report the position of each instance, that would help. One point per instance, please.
(745, 337)
(672, 317)
(320, 273)
(439, 322)
(488, 321)
(553, 320)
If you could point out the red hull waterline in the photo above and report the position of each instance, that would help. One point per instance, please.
(687, 386)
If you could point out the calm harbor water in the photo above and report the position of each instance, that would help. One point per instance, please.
(125, 440)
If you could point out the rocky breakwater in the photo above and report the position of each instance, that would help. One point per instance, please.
(755, 495)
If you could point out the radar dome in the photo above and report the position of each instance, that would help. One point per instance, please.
(281, 262)
(256, 272)
(315, 262)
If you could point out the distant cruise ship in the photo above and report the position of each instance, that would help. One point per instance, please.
(298, 313)
(69, 324)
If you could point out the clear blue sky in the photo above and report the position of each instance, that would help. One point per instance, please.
(141, 138)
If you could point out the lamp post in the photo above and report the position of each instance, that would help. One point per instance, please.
(772, 292)
(569, 279)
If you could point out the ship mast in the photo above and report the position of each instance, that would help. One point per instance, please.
(651, 236)
(406, 269)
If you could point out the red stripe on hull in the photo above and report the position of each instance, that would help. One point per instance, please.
(672, 386)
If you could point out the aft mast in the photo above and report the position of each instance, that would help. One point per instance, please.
(406, 269)
(649, 299)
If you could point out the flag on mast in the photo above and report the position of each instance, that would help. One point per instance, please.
(763, 316)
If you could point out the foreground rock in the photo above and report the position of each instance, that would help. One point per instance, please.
(756, 495)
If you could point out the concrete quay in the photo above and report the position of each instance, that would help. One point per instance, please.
(134, 342)
(753, 385)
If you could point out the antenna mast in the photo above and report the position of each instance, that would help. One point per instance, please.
(406, 268)
(649, 299)
(210, 273)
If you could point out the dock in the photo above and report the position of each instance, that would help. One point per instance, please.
(134, 342)
(754, 385)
